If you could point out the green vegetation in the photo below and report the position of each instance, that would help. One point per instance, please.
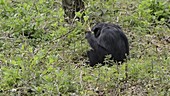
(40, 54)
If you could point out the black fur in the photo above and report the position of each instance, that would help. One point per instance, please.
(108, 39)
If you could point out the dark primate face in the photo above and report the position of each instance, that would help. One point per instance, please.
(97, 29)
(97, 32)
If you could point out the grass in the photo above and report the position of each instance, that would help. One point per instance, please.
(52, 60)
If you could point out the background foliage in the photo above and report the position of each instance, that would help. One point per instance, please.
(41, 54)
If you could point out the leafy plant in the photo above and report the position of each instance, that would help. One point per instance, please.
(41, 54)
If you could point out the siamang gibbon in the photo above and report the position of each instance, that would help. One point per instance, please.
(107, 39)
